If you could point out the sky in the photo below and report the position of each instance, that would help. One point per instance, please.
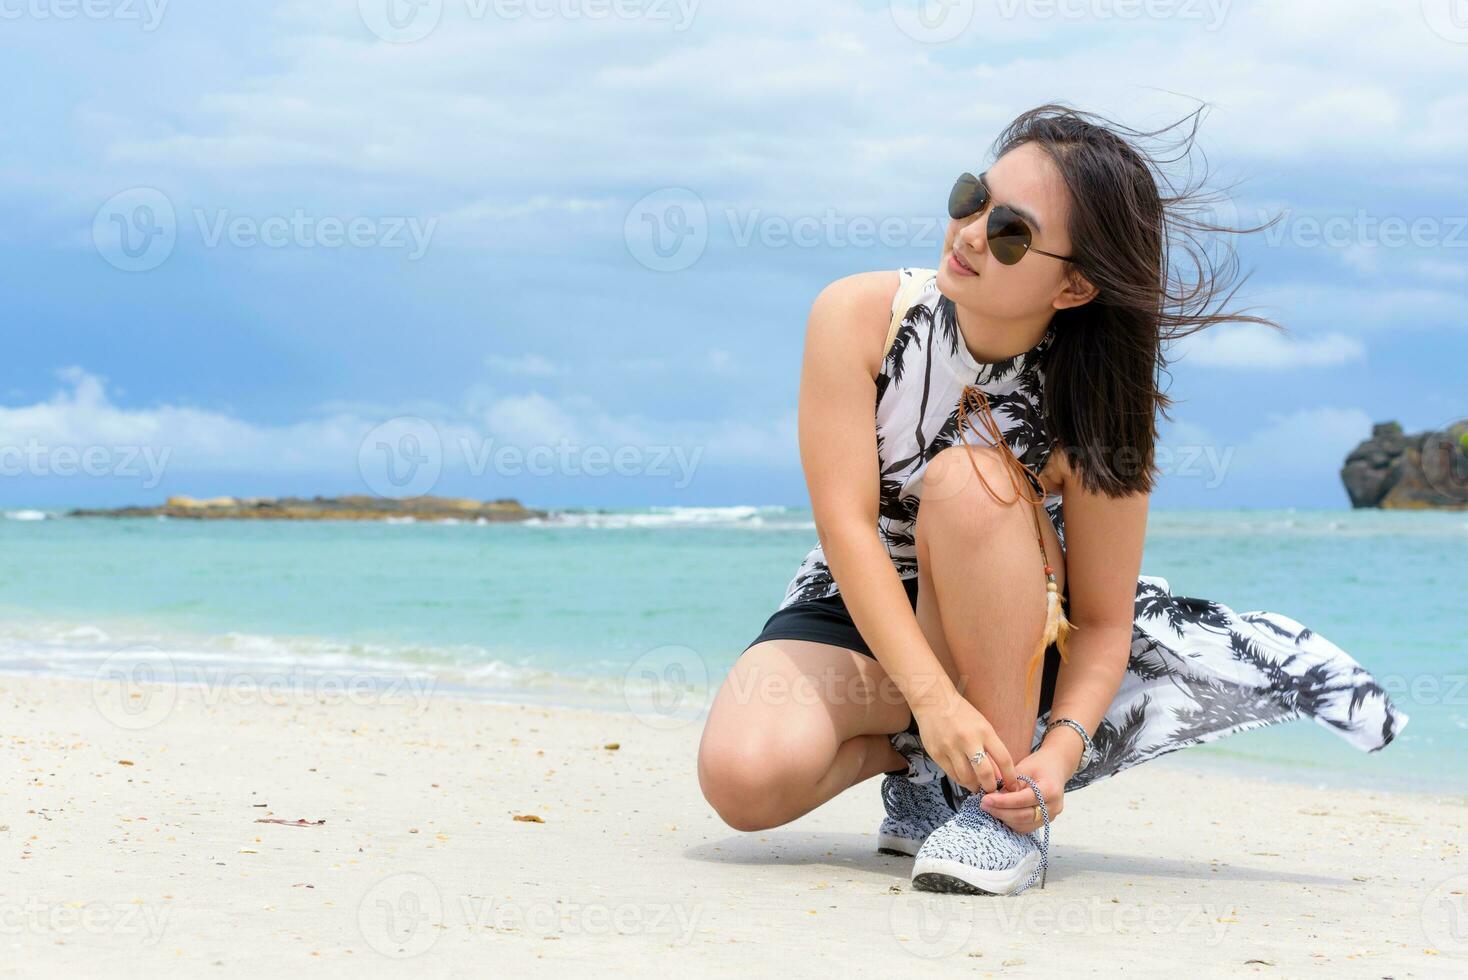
(563, 250)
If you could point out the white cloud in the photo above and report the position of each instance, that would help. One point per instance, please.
(83, 414)
(1443, 270)
(1260, 348)
(530, 365)
(1368, 308)
(794, 103)
(1362, 259)
(1307, 441)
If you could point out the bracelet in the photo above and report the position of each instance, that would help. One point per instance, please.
(1087, 752)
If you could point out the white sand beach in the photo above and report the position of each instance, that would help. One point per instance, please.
(137, 849)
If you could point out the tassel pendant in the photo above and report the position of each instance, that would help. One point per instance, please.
(1057, 630)
(1057, 627)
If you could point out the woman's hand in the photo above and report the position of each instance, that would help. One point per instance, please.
(953, 731)
(1016, 805)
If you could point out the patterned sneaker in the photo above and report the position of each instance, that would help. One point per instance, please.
(917, 801)
(978, 854)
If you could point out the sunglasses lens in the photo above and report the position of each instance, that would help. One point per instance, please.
(1009, 236)
(967, 197)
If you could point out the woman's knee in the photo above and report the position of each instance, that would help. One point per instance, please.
(954, 502)
(743, 780)
(755, 759)
(779, 721)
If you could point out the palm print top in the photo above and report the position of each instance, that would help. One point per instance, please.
(918, 393)
(1197, 671)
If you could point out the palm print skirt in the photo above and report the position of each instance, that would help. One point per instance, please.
(1199, 672)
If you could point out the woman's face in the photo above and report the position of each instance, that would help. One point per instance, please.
(1027, 180)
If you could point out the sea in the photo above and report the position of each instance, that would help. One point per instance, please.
(644, 610)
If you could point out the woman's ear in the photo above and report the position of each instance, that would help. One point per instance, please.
(1078, 291)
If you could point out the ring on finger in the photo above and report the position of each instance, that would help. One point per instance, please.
(978, 757)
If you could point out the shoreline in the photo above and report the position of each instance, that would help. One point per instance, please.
(140, 848)
(329, 684)
(326, 685)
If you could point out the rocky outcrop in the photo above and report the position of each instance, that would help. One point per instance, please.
(351, 508)
(1396, 471)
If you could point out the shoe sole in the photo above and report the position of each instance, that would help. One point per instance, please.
(955, 877)
(897, 846)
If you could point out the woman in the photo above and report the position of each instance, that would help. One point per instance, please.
(973, 471)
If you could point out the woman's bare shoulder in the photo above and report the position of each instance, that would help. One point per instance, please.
(852, 314)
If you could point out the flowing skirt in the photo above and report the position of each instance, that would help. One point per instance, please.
(1199, 672)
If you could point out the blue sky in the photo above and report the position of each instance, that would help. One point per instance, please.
(440, 243)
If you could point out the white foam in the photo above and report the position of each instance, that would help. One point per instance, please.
(26, 515)
(737, 516)
(81, 650)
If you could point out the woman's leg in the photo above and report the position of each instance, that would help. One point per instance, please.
(794, 724)
(798, 722)
(981, 587)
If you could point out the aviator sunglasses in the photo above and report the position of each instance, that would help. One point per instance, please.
(1008, 232)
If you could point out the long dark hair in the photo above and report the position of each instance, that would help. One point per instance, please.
(1159, 277)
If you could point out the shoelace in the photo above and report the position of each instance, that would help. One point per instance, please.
(1041, 871)
(889, 789)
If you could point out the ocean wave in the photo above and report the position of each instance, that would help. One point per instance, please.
(93, 652)
(26, 515)
(1274, 524)
(740, 516)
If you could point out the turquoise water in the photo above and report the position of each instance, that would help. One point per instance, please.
(571, 608)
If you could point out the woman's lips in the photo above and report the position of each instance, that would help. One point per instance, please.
(959, 266)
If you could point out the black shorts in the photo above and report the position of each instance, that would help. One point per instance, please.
(826, 620)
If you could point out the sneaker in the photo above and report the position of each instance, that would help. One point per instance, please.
(976, 853)
(918, 801)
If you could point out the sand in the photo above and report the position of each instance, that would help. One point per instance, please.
(132, 843)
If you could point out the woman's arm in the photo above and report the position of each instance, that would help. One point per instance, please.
(838, 449)
(1104, 538)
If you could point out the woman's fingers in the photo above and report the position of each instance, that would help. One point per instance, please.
(961, 773)
(1011, 799)
(985, 774)
(1017, 807)
(1022, 820)
(1004, 765)
(1023, 824)
(988, 769)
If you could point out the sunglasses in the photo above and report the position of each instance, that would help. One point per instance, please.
(1009, 233)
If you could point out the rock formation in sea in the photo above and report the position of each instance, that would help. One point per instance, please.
(1396, 471)
(350, 508)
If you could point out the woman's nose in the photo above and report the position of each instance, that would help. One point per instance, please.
(969, 238)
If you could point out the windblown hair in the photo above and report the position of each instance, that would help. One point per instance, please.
(1159, 276)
